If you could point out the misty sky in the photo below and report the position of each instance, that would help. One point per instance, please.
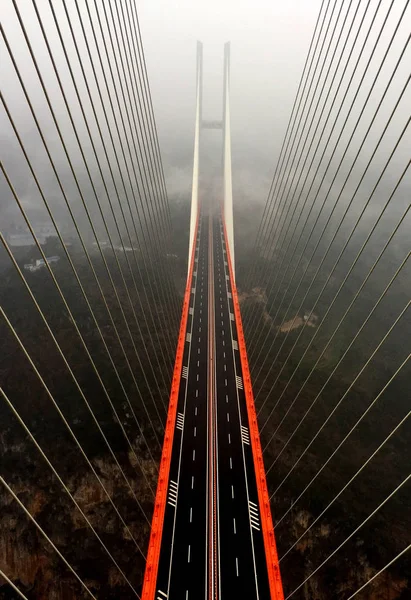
(269, 45)
(269, 42)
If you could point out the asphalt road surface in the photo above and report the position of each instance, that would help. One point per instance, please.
(212, 545)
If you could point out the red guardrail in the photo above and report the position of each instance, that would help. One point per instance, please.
(153, 553)
(273, 566)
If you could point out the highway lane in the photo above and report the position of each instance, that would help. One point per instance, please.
(212, 545)
(243, 571)
(183, 557)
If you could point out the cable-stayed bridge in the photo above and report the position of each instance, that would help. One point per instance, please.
(212, 530)
(113, 486)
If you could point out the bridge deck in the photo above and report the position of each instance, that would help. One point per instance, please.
(212, 543)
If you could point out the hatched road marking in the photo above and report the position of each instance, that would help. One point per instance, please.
(254, 519)
(245, 435)
(180, 421)
(172, 493)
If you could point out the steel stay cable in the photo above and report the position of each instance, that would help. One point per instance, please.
(382, 295)
(263, 217)
(69, 429)
(158, 194)
(56, 474)
(329, 162)
(143, 122)
(79, 190)
(28, 223)
(146, 83)
(154, 134)
(335, 206)
(127, 31)
(279, 165)
(339, 258)
(71, 316)
(120, 136)
(280, 179)
(402, 264)
(86, 402)
(143, 255)
(308, 170)
(392, 561)
(126, 106)
(148, 109)
(147, 155)
(380, 393)
(335, 120)
(284, 194)
(346, 181)
(340, 360)
(105, 188)
(335, 296)
(275, 206)
(70, 261)
(15, 588)
(349, 482)
(138, 156)
(404, 481)
(44, 534)
(336, 233)
(104, 183)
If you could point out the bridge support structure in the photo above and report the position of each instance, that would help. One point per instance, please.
(199, 424)
(270, 545)
(228, 186)
(157, 523)
(225, 126)
(196, 154)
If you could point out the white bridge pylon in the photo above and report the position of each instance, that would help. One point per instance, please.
(224, 124)
(228, 186)
(196, 157)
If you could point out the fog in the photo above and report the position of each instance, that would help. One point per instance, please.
(269, 46)
(269, 43)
